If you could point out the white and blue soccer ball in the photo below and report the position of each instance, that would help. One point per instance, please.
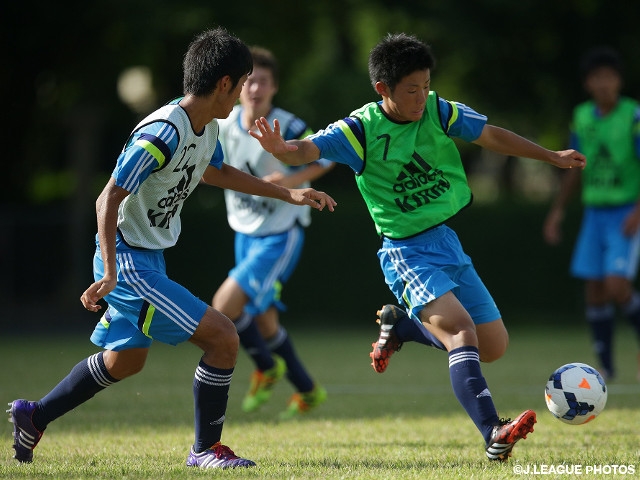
(575, 393)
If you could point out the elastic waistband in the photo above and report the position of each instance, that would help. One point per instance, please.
(428, 236)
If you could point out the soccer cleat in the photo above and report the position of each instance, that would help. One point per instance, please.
(218, 456)
(507, 433)
(262, 383)
(388, 342)
(25, 435)
(303, 402)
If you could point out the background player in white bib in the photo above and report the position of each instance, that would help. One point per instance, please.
(138, 216)
(268, 242)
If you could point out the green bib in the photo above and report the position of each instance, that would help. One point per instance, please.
(413, 178)
(612, 174)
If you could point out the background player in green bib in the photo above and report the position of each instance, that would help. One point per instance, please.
(607, 129)
(410, 175)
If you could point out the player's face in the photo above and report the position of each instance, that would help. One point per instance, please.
(258, 91)
(229, 97)
(406, 103)
(604, 85)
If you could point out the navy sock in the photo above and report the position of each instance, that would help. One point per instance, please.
(281, 345)
(471, 389)
(632, 312)
(210, 394)
(253, 343)
(87, 378)
(601, 321)
(408, 330)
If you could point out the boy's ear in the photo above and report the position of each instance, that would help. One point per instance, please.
(224, 84)
(383, 89)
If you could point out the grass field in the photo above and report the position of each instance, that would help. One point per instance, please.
(403, 424)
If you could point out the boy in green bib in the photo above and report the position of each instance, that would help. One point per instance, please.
(607, 129)
(410, 175)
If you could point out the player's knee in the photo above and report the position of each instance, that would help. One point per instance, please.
(268, 328)
(493, 353)
(229, 338)
(126, 363)
(217, 333)
(129, 370)
(494, 349)
(461, 338)
(618, 289)
(493, 340)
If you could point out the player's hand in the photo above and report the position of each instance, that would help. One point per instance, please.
(569, 159)
(313, 198)
(95, 292)
(551, 229)
(269, 138)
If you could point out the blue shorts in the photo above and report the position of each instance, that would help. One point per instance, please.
(264, 264)
(145, 305)
(422, 268)
(602, 249)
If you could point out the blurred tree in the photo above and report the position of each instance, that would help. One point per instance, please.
(515, 61)
(64, 123)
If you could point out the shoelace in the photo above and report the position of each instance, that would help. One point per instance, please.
(222, 451)
(504, 421)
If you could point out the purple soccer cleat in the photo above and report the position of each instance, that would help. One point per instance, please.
(218, 456)
(25, 435)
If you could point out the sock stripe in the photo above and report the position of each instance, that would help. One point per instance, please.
(278, 339)
(211, 378)
(99, 371)
(465, 356)
(600, 313)
(242, 322)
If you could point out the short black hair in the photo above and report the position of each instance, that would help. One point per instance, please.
(396, 56)
(264, 58)
(212, 55)
(602, 56)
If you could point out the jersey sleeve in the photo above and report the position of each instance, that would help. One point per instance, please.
(218, 156)
(461, 121)
(146, 150)
(573, 141)
(342, 142)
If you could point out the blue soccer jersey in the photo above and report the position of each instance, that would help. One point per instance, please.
(457, 119)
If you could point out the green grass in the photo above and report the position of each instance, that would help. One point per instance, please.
(404, 424)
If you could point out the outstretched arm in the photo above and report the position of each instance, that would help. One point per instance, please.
(231, 178)
(291, 152)
(506, 142)
(300, 176)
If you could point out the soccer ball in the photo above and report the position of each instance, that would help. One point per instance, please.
(575, 393)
